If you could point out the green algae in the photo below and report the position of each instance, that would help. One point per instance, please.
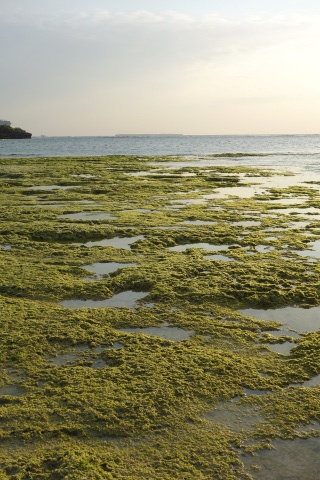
(142, 413)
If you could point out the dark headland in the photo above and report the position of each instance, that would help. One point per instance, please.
(7, 132)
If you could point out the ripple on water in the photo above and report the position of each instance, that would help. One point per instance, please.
(296, 318)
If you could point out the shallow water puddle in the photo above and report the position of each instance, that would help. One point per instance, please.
(298, 211)
(199, 222)
(126, 299)
(142, 210)
(282, 348)
(168, 227)
(259, 393)
(116, 242)
(123, 299)
(11, 390)
(99, 363)
(280, 333)
(104, 268)
(203, 246)
(288, 201)
(72, 357)
(315, 252)
(53, 187)
(264, 248)
(299, 224)
(64, 359)
(167, 331)
(5, 247)
(234, 415)
(247, 223)
(223, 258)
(296, 318)
(313, 382)
(84, 175)
(46, 205)
(241, 192)
(88, 216)
(188, 201)
(297, 459)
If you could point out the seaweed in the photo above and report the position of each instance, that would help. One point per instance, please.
(82, 395)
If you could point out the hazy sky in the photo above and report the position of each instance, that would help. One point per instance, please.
(100, 67)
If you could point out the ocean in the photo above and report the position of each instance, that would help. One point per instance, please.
(284, 151)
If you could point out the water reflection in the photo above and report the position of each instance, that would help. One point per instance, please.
(199, 222)
(288, 201)
(104, 268)
(241, 192)
(203, 246)
(167, 332)
(282, 348)
(296, 318)
(117, 242)
(298, 211)
(123, 299)
(222, 258)
(315, 252)
(88, 216)
(247, 223)
(312, 382)
(297, 459)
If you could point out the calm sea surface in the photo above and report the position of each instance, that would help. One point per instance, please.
(286, 151)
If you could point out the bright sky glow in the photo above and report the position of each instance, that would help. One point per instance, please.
(74, 67)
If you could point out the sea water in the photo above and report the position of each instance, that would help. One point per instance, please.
(283, 151)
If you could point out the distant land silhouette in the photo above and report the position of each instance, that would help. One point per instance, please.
(8, 132)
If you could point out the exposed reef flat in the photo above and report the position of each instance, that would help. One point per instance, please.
(138, 298)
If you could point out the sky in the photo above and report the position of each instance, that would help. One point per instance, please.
(202, 67)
